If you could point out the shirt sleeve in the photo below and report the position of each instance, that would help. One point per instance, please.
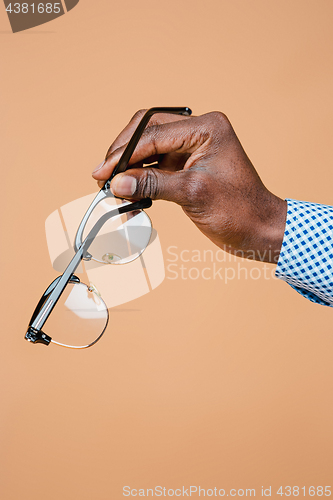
(306, 257)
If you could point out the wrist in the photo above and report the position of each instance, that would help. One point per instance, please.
(271, 230)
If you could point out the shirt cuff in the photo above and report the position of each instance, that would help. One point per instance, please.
(306, 257)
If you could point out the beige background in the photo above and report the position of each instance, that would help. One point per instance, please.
(198, 382)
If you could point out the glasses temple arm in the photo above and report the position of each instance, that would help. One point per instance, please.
(47, 293)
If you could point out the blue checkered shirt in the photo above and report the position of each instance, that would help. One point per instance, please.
(306, 257)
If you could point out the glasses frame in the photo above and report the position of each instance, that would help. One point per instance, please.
(52, 294)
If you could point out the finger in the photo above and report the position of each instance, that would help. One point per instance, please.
(153, 183)
(183, 136)
(140, 164)
(128, 131)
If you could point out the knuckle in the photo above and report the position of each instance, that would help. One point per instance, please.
(148, 184)
(138, 115)
(220, 126)
(219, 119)
(218, 116)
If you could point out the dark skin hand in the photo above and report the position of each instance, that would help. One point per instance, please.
(200, 164)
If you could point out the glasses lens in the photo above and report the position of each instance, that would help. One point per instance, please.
(79, 318)
(122, 238)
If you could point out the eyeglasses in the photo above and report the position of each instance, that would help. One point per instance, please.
(112, 231)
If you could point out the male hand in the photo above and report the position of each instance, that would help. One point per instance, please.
(200, 164)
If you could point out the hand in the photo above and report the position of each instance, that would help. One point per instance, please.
(199, 163)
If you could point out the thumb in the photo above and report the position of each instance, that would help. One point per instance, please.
(149, 182)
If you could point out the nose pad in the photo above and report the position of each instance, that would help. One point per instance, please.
(93, 289)
(110, 258)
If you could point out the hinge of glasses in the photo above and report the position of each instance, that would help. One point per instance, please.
(37, 337)
(74, 279)
(87, 256)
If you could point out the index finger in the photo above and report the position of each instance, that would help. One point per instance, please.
(181, 136)
(125, 135)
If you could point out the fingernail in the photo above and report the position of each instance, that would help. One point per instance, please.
(123, 185)
(99, 166)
